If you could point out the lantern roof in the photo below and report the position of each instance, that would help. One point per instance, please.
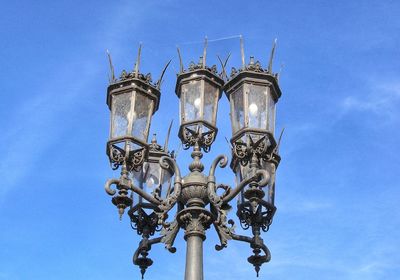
(253, 73)
(199, 71)
(134, 80)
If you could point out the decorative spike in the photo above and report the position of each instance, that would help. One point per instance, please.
(162, 75)
(223, 65)
(271, 58)
(279, 141)
(121, 211)
(180, 61)
(137, 65)
(111, 67)
(205, 52)
(229, 143)
(168, 134)
(178, 150)
(242, 52)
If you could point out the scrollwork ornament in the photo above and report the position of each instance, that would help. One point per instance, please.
(136, 158)
(207, 140)
(168, 233)
(117, 157)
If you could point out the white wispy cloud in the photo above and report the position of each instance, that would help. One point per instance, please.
(382, 100)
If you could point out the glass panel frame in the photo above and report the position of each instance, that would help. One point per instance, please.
(124, 99)
(210, 104)
(135, 102)
(257, 110)
(143, 106)
(192, 101)
(238, 100)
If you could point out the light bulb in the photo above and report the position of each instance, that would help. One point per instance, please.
(253, 109)
(132, 115)
(197, 103)
(150, 182)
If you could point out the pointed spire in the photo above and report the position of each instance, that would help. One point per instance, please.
(271, 58)
(205, 52)
(180, 61)
(223, 65)
(242, 52)
(111, 67)
(137, 64)
(168, 134)
(279, 141)
(158, 84)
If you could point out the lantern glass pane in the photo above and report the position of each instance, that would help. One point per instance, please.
(192, 106)
(271, 114)
(120, 110)
(237, 109)
(152, 179)
(140, 116)
(211, 94)
(257, 106)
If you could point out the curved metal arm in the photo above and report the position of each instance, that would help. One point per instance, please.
(261, 177)
(137, 190)
(259, 244)
(222, 160)
(215, 199)
(108, 186)
(169, 202)
(145, 195)
(144, 245)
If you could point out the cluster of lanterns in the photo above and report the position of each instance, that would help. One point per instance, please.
(253, 92)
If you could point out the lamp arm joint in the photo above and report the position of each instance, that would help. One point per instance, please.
(261, 177)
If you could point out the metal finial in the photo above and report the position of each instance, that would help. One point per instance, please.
(279, 141)
(223, 65)
(167, 138)
(162, 75)
(111, 67)
(138, 61)
(180, 61)
(251, 60)
(242, 52)
(271, 58)
(154, 138)
(205, 52)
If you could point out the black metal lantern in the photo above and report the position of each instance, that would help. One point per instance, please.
(253, 93)
(255, 205)
(199, 89)
(132, 100)
(154, 180)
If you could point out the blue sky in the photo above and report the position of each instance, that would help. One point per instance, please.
(338, 184)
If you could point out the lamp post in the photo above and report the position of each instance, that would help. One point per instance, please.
(145, 186)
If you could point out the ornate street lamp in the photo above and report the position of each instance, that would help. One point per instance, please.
(199, 89)
(145, 185)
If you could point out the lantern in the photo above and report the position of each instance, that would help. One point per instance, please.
(255, 206)
(199, 90)
(253, 93)
(132, 100)
(154, 180)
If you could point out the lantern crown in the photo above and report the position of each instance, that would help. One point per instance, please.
(134, 80)
(253, 72)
